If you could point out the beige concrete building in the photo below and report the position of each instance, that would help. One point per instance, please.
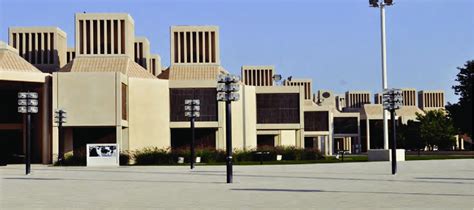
(307, 85)
(328, 129)
(105, 92)
(44, 47)
(142, 52)
(115, 91)
(195, 44)
(280, 116)
(355, 100)
(431, 100)
(155, 67)
(340, 102)
(70, 54)
(18, 75)
(104, 34)
(193, 73)
(257, 75)
(151, 62)
(108, 106)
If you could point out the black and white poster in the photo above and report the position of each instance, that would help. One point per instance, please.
(102, 150)
(102, 155)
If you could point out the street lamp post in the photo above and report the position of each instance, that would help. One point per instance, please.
(192, 109)
(393, 100)
(227, 88)
(60, 118)
(381, 5)
(28, 104)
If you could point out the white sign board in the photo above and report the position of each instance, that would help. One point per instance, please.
(102, 155)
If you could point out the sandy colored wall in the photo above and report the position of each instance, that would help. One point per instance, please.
(287, 138)
(88, 98)
(149, 113)
(250, 117)
(244, 120)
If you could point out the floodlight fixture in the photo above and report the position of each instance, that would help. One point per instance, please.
(22, 109)
(27, 105)
(276, 77)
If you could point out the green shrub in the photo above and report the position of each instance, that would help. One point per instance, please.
(210, 155)
(243, 155)
(293, 153)
(155, 156)
(311, 154)
(124, 158)
(72, 160)
(152, 156)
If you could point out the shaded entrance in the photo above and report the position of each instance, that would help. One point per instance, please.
(205, 138)
(13, 125)
(265, 141)
(81, 136)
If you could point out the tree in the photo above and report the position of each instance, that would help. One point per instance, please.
(437, 129)
(408, 136)
(461, 112)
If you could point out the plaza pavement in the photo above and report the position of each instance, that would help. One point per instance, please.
(442, 184)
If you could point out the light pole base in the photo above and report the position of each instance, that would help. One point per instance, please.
(385, 155)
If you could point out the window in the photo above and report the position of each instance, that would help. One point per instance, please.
(81, 36)
(124, 102)
(176, 55)
(316, 121)
(278, 108)
(207, 97)
(122, 37)
(346, 125)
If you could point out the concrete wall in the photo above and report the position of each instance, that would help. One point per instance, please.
(88, 98)
(128, 37)
(287, 138)
(149, 114)
(282, 130)
(39, 46)
(244, 120)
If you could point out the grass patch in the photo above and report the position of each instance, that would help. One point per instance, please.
(437, 157)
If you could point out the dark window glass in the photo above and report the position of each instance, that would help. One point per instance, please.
(122, 38)
(207, 97)
(316, 121)
(205, 138)
(346, 125)
(265, 142)
(278, 108)
(124, 102)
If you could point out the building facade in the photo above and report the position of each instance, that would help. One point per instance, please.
(43, 47)
(115, 91)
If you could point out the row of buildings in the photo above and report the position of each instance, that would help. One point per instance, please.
(115, 91)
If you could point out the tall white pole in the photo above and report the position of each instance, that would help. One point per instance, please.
(384, 74)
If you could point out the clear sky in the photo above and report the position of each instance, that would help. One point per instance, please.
(334, 42)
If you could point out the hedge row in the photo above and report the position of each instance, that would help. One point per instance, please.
(157, 156)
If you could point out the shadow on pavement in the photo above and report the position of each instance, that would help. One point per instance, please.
(446, 178)
(108, 180)
(336, 191)
(264, 176)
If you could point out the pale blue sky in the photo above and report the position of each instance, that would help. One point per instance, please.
(334, 42)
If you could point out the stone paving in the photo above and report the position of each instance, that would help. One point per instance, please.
(442, 184)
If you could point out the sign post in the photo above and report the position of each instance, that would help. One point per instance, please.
(60, 118)
(28, 104)
(192, 109)
(393, 100)
(227, 88)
